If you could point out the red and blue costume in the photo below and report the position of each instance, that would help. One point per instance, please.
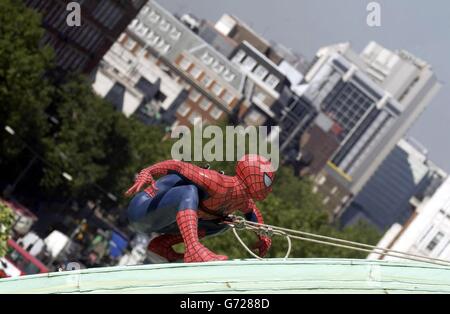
(189, 202)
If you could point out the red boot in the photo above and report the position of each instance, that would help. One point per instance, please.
(187, 221)
(162, 246)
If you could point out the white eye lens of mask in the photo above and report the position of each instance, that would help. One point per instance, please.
(267, 180)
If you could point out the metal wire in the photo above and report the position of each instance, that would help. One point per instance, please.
(385, 251)
(320, 239)
(234, 228)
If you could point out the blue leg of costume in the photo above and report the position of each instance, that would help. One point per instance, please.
(158, 214)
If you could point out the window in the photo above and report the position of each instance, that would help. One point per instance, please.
(217, 67)
(217, 89)
(160, 44)
(106, 12)
(144, 10)
(228, 97)
(141, 29)
(134, 23)
(326, 200)
(154, 17)
(175, 34)
(249, 63)
(239, 56)
(216, 113)
(129, 44)
(205, 104)
(195, 72)
(185, 64)
(195, 118)
(261, 96)
(272, 81)
(228, 75)
(154, 40)
(261, 72)
(164, 25)
(194, 95)
(206, 80)
(207, 58)
(433, 243)
(183, 110)
(151, 35)
(165, 49)
(122, 37)
(334, 190)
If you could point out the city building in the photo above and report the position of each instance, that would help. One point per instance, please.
(192, 71)
(385, 199)
(272, 70)
(264, 85)
(80, 48)
(426, 233)
(238, 31)
(222, 43)
(134, 82)
(373, 97)
(213, 83)
(317, 145)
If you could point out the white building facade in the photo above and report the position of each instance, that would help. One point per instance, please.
(427, 233)
(135, 84)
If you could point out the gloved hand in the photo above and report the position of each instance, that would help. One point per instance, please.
(263, 245)
(144, 178)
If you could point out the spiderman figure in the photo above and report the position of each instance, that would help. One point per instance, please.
(189, 202)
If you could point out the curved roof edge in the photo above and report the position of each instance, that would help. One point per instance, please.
(243, 276)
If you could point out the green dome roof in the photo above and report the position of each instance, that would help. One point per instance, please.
(244, 276)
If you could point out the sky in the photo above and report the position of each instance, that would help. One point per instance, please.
(418, 26)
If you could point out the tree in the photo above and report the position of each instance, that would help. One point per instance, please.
(24, 90)
(78, 144)
(98, 146)
(140, 146)
(6, 222)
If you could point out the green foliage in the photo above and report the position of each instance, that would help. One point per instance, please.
(24, 91)
(78, 146)
(96, 145)
(6, 222)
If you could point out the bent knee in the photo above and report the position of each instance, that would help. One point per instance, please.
(137, 208)
(189, 197)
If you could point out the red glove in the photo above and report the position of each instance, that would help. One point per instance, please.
(263, 245)
(144, 178)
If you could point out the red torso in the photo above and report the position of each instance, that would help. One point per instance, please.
(223, 194)
(225, 197)
(220, 194)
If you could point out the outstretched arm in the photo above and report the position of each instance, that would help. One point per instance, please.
(253, 214)
(198, 176)
(146, 175)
